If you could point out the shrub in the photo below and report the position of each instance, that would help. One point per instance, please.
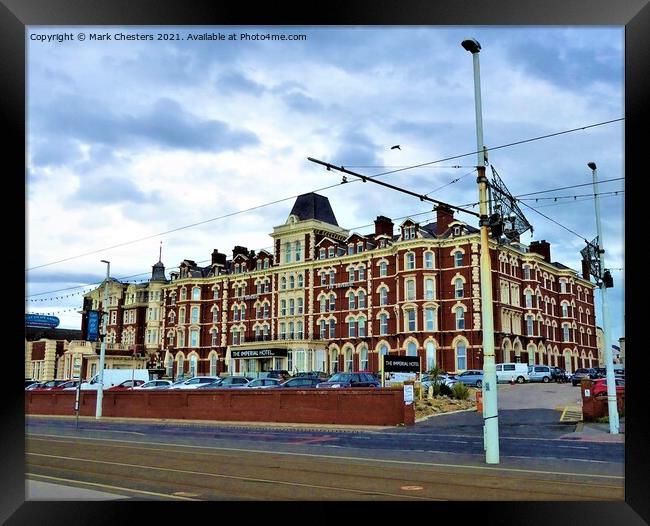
(460, 391)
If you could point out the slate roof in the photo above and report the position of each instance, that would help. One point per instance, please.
(314, 206)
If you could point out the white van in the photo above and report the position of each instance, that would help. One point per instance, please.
(507, 372)
(113, 377)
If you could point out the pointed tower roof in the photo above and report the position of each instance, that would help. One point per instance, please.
(314, 206)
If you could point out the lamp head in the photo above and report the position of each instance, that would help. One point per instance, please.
(592, 165)
(471, 45)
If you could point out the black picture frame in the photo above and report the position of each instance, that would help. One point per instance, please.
(15, 15)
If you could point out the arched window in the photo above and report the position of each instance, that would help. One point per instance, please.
(301, 281)
(299, 304)
(565, 310)
(458, 259)
(459, 286)
(292, 307)
(383, 296)
(383, 324)
(299, 334)
(352, 331)
(529, 298)
(181, 366)
(192, 371)
(383, 350)
(332, 302)
(363, 359)
(351, 301)
(429, 319)
(411, 349)
(362, 326)
(292, 282)
(460, 318)
(334, 362)
(362, 273)
(283, 283)
(428, 289)
(410, 261)
(283, 307)
(383, 269)
(428, 260)
(323, 304)
(170, 367)
(213, 365)
(461, 356)
(194, 317)
(362, 299)
(332, 329)
(529, 326)
(214, 341)
(348, 359)
(430, 355)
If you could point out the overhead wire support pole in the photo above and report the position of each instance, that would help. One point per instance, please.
(490, 405)
(612, 407)
(367, 178)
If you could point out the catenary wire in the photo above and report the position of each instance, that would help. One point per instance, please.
(317, 190)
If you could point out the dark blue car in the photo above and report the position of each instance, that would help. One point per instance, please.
(351, 379)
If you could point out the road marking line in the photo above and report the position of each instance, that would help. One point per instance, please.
(333, 457)
(107, 486)
(217, 475)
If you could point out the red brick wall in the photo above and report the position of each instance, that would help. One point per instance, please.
(38, 351)
(361, 406)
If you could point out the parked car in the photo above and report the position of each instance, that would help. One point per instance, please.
(442, 378)
(583, 373)
(233, 381)
(508, 372)
(350, 379)
(126, 385)
(559, 375)
(601, 371)
(70, 384)
(155, 384)
(301, 382)
(49, 384)
(261, 383)
(319, 375)
(194, 382)
(280, 374)
(472, 377)
(30, 382)
(600, 387)
(540, 373)
(35, 385)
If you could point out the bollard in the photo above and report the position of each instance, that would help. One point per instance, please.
(479, 401)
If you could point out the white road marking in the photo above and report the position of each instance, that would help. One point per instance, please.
(105, 486)
(217, 475)
(333, 457)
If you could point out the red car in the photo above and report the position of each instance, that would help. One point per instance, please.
(126, 385)
(599, 388)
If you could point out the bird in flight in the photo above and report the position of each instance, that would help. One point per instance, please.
(396, 147)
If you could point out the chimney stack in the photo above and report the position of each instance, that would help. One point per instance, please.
(444, 216)
(543, 248)
(218, 259)
(383, 226)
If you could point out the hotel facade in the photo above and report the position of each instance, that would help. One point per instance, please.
(326, 299)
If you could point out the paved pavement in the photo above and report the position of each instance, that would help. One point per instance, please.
(41, 490)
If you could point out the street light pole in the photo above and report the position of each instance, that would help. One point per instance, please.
(609, 363)
(102, 351)
(490, 406)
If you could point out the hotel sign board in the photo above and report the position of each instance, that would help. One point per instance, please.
(395, 370)
(259, 353)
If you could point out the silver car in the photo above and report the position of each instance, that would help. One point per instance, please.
(540, 373)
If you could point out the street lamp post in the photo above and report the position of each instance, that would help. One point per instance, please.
(102, 351)
(609, 363)
(490, 406)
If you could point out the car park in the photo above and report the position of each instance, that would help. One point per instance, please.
(301, 382)
(512, 372)
(126, 385)
(540, 373)
(473, 377)
(599, 388)
(155, 384)
(350, 379)
(583, 373)
(194, 382)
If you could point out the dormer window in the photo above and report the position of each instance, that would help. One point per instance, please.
(330, 252)
(350, 249)
(359, 247)
(409, 232)
(457, 231)
(266, 263)
(382, 243)
(321, 253)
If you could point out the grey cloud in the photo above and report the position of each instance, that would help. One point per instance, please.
(108, 190)
(165, 124)
(301, 102)
(236, 82)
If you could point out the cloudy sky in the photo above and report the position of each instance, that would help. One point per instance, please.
(136, 142)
